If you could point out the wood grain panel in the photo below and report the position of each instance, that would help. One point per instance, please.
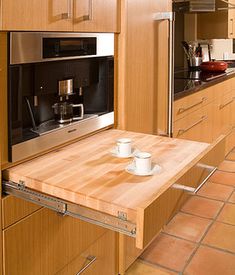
(14, 209)
(105, 192)
(104, 16)
(142, 97)
(53, 17)
(26, 15)
(3, 97)
(46, 242)
(104, 251)
(191, 103)
(171, 200)
(196, 125)
(68, 173)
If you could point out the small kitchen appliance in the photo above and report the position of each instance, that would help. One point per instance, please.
(61, 87)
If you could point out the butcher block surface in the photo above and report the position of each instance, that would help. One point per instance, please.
(87, 174)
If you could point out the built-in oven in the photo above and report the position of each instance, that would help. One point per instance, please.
(60, 87)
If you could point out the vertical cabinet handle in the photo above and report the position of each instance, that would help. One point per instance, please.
(91, 260)
(89, 16)
(231, 20)
(68, 14)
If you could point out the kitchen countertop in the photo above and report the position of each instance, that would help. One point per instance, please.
(87, 174)
(87, 177)
(184, 87)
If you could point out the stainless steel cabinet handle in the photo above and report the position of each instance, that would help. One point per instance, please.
(192, 190)
(231, 20)
(182, 131)
(89, 16)
(184, 109)
(226, 104)
(91, 260)
(68, 14)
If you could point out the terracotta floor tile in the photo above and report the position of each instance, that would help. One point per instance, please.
(208, 261)
(169, 252)
(231, 156)
(142, 268)
(216, 191)
(202, 207)
(188, 227)
(223, 178)
(227, 215)
(222, 236)
(227, 166)
(232, 198)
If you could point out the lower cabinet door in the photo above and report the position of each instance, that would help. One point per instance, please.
(45, 242)
(99, 258)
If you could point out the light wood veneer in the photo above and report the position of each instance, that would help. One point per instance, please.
(85, 173)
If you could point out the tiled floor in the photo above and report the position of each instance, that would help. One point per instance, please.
(200, 239)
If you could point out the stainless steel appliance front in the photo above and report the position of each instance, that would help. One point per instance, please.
(27, 47)
(57, 69)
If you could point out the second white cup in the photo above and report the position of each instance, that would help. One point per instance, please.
(124, 147)
(143, 162)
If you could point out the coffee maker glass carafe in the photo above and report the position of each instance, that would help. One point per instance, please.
(64, 112)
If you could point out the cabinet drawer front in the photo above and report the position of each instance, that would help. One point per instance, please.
(15, 209)
(195, 126)
(99, 258)
(223, 114)
(188, 104)
(45, 242)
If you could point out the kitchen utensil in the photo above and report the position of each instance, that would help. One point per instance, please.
(194, 62)
(64, 112)
(214, 66)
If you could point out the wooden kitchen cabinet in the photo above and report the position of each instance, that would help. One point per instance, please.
(60, 15)
(103, 254)
(45, 242)
(219, 24)
(95, 15)
(195, 126)
(207, 114)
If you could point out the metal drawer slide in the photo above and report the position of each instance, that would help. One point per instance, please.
(119, 224)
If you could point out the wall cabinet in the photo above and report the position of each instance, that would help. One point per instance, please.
(219, 24)
(60, 15)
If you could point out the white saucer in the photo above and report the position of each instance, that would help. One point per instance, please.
(155, 169)
(114, 153)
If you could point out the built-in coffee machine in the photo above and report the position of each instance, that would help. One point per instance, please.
(61, 87)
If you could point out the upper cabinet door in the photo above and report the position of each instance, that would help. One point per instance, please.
(219, 24)
(60, 15)
(96, 15)
(23, 15)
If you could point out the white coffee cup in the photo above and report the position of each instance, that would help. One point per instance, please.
(124, 147)
(142, 162)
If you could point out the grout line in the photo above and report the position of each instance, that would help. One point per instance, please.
(161, 266)
(179, 238)
(218, 248)
(200, 242)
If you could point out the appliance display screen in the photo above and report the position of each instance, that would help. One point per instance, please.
(64, 47)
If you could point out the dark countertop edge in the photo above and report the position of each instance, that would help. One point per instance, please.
(203, 86)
